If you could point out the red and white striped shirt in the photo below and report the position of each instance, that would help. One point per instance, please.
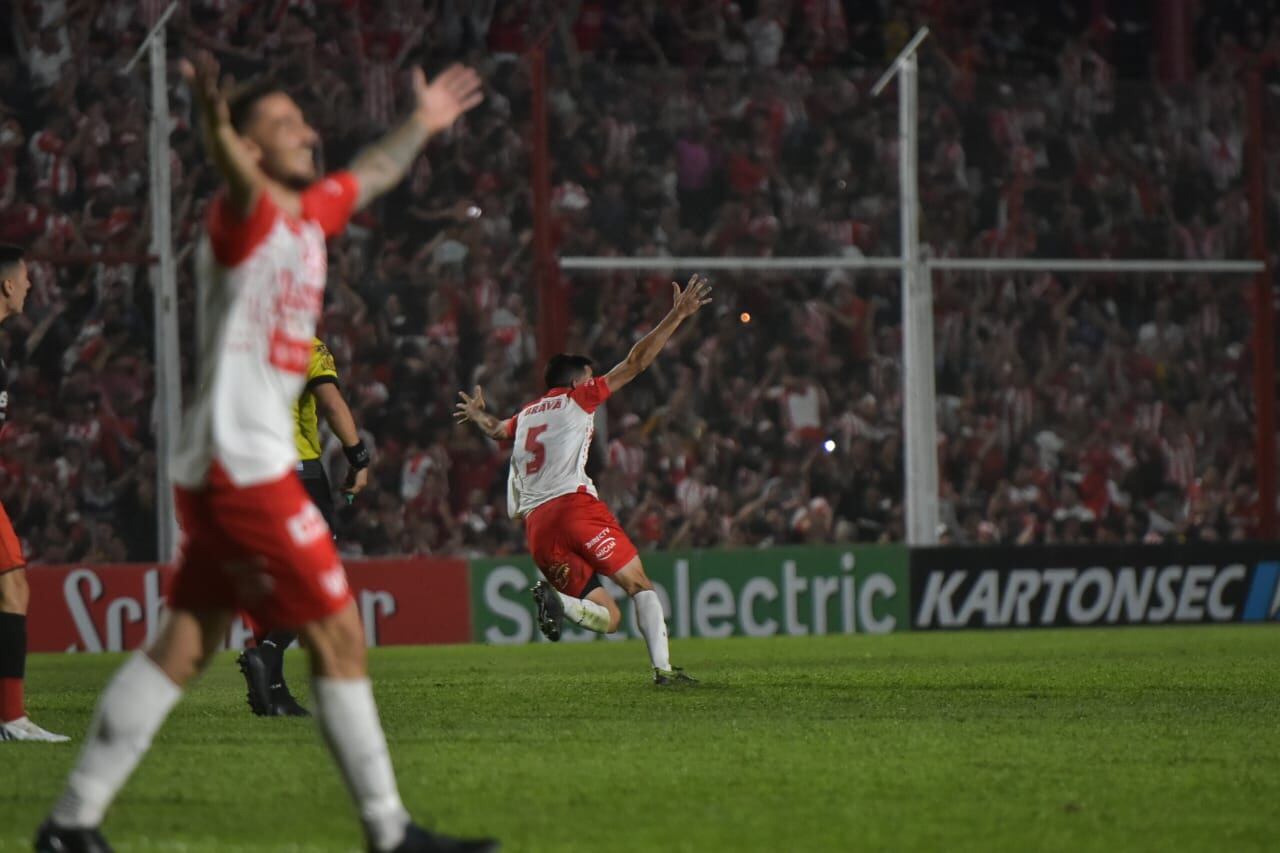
(60, 230)
(627, 459)
(1147, 417)
(1179, 460)
(44, 281)
(413, 475)
(54, 170)
(618, 138)
(378, 77)
(693, 495)
(1017, 408)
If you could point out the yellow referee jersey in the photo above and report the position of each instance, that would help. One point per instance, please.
(306, 433)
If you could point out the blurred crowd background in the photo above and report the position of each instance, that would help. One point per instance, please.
(1100, 408)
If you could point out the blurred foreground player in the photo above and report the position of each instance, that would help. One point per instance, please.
(263, 665)
(571, 534)
(252, 538)
(14, 594)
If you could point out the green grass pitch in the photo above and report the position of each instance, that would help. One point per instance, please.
(1125, 739)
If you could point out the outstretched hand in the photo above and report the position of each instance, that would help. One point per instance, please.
(693, 297)
(201, 74)
(453, 92)
(470, 407)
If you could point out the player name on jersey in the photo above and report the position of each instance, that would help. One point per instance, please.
(544, 406)
(552, 438)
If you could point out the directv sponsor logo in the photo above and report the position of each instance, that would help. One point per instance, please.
(1094, 596)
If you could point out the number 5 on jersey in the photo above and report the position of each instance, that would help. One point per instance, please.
(532, 445)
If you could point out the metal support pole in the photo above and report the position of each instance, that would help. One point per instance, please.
(168, 370)
(919, 421)
(919, 416)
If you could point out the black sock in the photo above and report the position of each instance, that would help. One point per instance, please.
(13, 645)
(273, 646)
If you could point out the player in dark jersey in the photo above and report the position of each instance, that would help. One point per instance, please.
(14, 594)
(263, 665)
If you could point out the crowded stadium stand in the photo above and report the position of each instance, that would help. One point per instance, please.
(1071, 408)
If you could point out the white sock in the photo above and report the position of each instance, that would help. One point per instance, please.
(654, 627)
(349, 721)
(586, 613)
(130, 711)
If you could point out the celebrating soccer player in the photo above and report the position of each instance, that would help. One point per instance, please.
(14, 723)
(571, 534)
(253, 539)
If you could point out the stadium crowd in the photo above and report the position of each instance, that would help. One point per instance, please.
(1071, 409)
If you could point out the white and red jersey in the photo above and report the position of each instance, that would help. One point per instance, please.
(628, 459)
(552, 438)
(264, 279)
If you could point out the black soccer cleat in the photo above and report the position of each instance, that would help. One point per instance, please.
(550, 610)
(52, 838)
(673, 677)
(258, 680)
(284, 705)
(419, 840)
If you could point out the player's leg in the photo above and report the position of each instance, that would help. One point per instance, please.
(650, 619)
(274, 644)
(589, 530)
(590, 607)
(569, 579)
(263, 670)
(348, 719)
(15, 596)
(597, 595)
(263, 665)
(134, 704)
(131, 709)
(307, 589)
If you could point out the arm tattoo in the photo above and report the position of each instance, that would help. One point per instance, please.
(383, 164)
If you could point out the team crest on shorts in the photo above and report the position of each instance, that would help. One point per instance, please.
(558, 574)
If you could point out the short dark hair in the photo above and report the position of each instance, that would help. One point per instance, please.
(246, 97)
(563, 368)
(10, 257)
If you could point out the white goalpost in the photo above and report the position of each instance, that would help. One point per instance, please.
(168, 369)
(919, 396)
(920, 438)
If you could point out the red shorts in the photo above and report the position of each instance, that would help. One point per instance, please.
(573, 537)
(10, 548)
(264, 549)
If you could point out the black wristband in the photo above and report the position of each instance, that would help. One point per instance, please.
(357, 456)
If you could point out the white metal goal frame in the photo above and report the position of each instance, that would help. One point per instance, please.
(920, 426)
(168, 369)
(919, 395)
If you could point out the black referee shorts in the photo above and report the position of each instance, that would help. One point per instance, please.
(316, 482)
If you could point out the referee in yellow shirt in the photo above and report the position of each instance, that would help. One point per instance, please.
(263, 665)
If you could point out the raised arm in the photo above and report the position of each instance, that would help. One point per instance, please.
(687, 303)
(471, 408)
(244, 180)
(383, 164)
